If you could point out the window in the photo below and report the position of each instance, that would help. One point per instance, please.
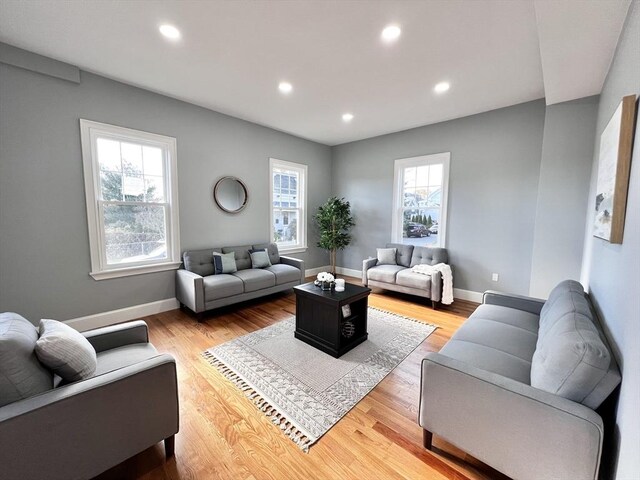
(132, 200)
(288, 205)
(420, 200)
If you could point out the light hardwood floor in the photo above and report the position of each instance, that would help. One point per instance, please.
(223, 436)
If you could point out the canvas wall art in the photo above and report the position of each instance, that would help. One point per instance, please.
(614, 165)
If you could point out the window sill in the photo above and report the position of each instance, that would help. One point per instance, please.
(292, 250)
(137, 270)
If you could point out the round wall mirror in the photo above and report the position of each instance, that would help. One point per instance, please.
(230, 194)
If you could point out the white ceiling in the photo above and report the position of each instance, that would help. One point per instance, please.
(233, 54)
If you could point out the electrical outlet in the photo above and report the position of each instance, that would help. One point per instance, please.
(495, 277)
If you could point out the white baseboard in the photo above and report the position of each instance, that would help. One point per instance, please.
(312, 272)
(467, 295)
(122, 315)
(349, 272)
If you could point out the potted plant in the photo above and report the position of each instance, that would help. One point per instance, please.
(334, 222)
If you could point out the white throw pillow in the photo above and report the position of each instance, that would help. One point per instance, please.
(65, 351)
(386, 256)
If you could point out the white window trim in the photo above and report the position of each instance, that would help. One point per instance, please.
(302, 185)
(89, 130)
(396, 216)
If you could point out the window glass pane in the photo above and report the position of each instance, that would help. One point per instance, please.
(285, 226)
(131, 158)
(111, 186)
(285, 181)
(422, 176)
(435, 174)
(293, 183)
(133, 188)
(152, 161)
(109, 155)
(434, 197)
(276, 181)
(154, 188)
(410, 177)
(410, 198)
(134, 233)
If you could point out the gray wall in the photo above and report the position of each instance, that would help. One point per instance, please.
(44, 247)
(495, 168)
(612, 272)
(565, 174)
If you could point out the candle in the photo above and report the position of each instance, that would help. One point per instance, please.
(339, 285)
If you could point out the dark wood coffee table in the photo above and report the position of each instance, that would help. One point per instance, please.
(320, 321)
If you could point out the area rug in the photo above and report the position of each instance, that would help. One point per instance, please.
(305, 391)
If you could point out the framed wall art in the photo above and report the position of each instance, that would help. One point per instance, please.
(614, 166)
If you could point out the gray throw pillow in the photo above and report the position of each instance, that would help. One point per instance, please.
(65, 351)
(228, 262)
(260, 259)
(21, 374)
(386, 256)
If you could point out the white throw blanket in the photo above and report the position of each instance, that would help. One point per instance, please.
(447, 278)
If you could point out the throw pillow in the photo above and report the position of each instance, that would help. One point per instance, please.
(21, 374)
(65, 351)
(217, 264)
(386, 256)
(259, 258)
(228, 261)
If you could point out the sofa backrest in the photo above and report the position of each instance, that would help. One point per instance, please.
(201, 261)
(572, 357)
(429, 256)
(403, 253)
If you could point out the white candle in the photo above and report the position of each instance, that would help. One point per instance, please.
(339, 285)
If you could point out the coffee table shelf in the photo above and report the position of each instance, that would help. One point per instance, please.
(319, 319)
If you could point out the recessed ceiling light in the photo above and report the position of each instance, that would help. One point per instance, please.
(347, 117)
(285, 87)
(391, 33)
(441, 87)
(170, 31)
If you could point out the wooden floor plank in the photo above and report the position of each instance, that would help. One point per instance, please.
(224, 436)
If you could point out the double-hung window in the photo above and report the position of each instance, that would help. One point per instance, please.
(288, 205)
(132, 200)
(420, 191)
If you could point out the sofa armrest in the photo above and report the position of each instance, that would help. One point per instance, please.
(190, 289)
(98, 422)
(488, 416)
(436, 286)
(294, 262)
(119, 335)
(366, 265)
(519, 302)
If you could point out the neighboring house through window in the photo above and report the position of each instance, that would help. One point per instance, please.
(288, 205)
(132, 200)
(420, 192)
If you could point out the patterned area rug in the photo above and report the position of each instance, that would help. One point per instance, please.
(305, 391)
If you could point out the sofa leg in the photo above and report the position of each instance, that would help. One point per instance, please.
(434, 304)
(169, 446)
(200, 317)
(427, 439)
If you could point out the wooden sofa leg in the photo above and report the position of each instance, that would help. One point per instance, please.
(433, 304)
(169, 446)
(427, 439)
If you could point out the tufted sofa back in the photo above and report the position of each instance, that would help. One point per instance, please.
(201, 261)
(429, 255)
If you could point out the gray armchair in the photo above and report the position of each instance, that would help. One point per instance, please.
(79, 430)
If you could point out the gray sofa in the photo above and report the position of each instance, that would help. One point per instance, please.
(400, 278)
(81, 429)
(518, 384)
(199, 289)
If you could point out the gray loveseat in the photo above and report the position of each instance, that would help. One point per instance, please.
(199, 289)
(79, 430)
(518, 383)
(400, 278)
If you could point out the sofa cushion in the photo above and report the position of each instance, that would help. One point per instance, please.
(199, 261)
(407, 278)
(259, 258)
(272, 250)
(221, 286)
(65, 351)
(384, 273)
(224, 263)
(21, 374)
(115, 358)
(386, 256)
(403, 253)
(284, 273)
(243, 260)
(428, 255)
(571, 360)
(256, 279)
